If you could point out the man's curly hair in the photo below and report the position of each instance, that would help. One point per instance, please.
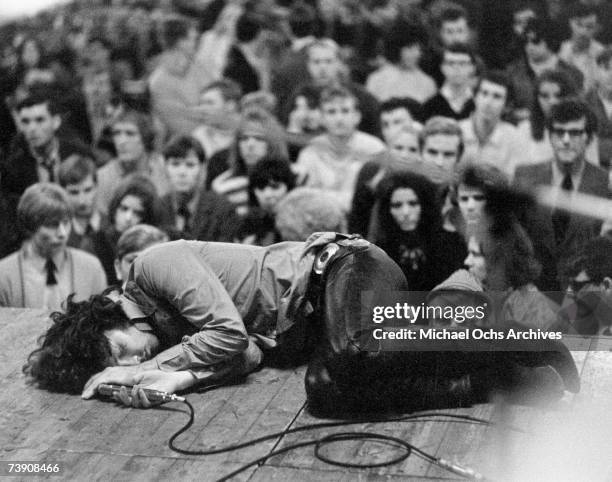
(74, 348)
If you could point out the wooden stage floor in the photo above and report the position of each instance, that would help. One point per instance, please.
(96, 440)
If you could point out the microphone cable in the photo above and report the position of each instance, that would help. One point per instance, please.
(319, 443)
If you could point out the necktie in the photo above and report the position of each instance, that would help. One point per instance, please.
(561, 218)
(49, 165)
(51, 269)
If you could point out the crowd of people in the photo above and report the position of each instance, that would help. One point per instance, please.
(426, 127)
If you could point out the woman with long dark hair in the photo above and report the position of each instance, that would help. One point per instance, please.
(409, 229)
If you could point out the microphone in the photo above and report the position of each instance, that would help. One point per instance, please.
(152, 395)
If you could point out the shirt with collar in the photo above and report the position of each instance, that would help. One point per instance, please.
(583, 60)
(503, 148)
(35, 277)
(558, 174)
(456, 103)
(52, 158)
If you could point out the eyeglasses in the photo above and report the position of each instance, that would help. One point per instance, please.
(573, 133)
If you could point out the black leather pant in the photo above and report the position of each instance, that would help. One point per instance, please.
(347, 374)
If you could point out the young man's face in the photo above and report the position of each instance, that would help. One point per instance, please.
(270, 195)
(569, 141)
(128, 141)
(123, 265)
(130, 346)
(340, 116)
(490, 100)
(184, 172)
(38, 125)
(442, 151)
(51, 239)
(323, 65)
(603, 74)
(392, 121)
(82, 197)
(536, 48)
(129, 213)
(472, 203)
(405, 145)
(457, 68)
(455, 31)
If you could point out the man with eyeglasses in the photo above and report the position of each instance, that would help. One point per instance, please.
(572, 126)
(587, 308)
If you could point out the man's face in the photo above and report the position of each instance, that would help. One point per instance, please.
(123, 265)
(410, 56)
(128, 141)
(340, 116)
(405, 145)
(490, 100)
(393, 120)
(457, 68)
(603, 74)
(569, 142)
(323, 65)
(536, 48)
(129, 213)
(82, 197)
(520, 19)
(455, 31)
(184, 172)
(38, 125)
(589, 304)
(130, 346)
(49, 240)
(472, 203)
(442, 151)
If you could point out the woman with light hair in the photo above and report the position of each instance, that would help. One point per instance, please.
(258, 135)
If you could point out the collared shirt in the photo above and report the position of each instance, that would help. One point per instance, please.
(558, 174)
(51, 159)
(36, 291)
(582, 60)
(503, 148)
(456, 103)
(204, 298)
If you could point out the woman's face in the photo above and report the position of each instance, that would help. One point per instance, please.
(405, 145)
(252, 146)
(405, 208)
(475, 261)
(549, 94)
(128, 141)
(129, 213)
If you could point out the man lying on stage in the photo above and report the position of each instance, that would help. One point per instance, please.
(201, 312)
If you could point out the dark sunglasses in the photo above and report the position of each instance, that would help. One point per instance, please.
(573, 133)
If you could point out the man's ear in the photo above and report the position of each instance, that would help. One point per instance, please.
(57, 122)
(117, 265)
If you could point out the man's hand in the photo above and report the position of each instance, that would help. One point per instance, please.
(124, 375)
(169, 382)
